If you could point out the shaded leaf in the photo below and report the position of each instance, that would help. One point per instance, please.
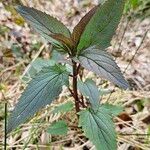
(101, 63)
(63, 108)
(44, 24)
(102, 26)
(58, 128)
(90, 90)
(79, 28)
(99, 128)
(41, 91)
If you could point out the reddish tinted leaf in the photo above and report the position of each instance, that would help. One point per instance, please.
(79, 28)
(64, 40)
(101, 27)
(44, 24)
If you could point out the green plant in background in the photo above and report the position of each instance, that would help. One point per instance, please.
(85, 47)
(139, 8)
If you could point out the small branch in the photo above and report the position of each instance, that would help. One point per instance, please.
(144, 36)
(135, 134)
(82, 102)
(78, 68)
(5, 138)
(5, 124)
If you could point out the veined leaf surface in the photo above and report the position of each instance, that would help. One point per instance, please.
(90, 90)
(101, 63)
(102, 26)
(99, 128)
(44, 24)
(42, 90)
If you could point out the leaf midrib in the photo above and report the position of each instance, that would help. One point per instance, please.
(108, 72)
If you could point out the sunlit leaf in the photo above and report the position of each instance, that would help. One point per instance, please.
(41, 91)
(102, 26)
(99, 128)
(101, 63)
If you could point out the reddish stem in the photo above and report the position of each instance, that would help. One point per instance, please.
(75, 73)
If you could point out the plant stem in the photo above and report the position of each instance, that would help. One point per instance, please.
(5, 136)
(75, 73)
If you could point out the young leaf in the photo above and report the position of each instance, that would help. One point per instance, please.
(100, 62)
(64, 40)
(113, 109)
(41, 91)
(44, 24)
(63, 108)
(99, 128)
(89, 89)
(79, 28)
(102, 26)
(58, 128)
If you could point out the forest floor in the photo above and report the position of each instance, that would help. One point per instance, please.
(20, 45)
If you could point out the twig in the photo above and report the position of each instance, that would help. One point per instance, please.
(125, 29)
(136, 52)
(132, 58)
(5, 138)
(5, 124)
(37, 54)
(134, 134)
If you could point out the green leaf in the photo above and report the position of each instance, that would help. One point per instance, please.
(102, 26)
(37, 66)
(113, 109)
(79, 28)
(41, 91)
(44, 24)
(99, 128)
(63, 108)
(58, 128)
(90, 90)
(101, 63)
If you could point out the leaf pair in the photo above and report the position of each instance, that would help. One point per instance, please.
(99, 128)
(96, 28)
(96, 122)
(53, 30)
